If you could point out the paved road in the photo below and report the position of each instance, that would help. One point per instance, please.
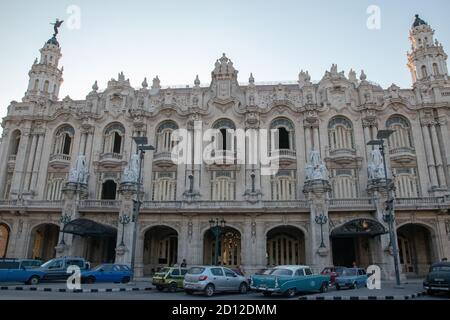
(387, 290)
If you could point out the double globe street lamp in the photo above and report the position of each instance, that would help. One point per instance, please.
(217, 228)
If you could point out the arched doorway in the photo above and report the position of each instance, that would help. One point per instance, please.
(355, 242)
(415, 249)
(94, 241)
(43, 241)
(160, 248)
(285, 245)
(229, 248)
(4, 239)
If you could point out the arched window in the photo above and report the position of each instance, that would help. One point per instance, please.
(164, 142)
(225, 138)
(223, 186)
(435, 69)
(55, 184)
(283, 137)
(114, 139)
(164, 186)
(4, 239)
(109, 190)
(406, 184)
(284, 185)
(63, 140)
(401, 138)
(36, 85)
(46, 86)
(344, 184)
(15, 142)
(340, 134)
(424, 72)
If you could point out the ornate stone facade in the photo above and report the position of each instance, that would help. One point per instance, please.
(64, 160)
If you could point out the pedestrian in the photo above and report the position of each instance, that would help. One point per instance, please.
(183, 263)
(354, 265)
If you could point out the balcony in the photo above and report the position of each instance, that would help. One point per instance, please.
(222, 158)
(163, 159)
(403, 155)
(285, 156)
(351, 204)
(59, 161)
(99, 205)
(111, 159)
(342, 156)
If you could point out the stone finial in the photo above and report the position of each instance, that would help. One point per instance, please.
(197, 81)
(251, 80)
(35, 61)
(95, 86)
(363, 76)
(121, 77)
(156, 83)
(352, 76)
(144, 83)
(304, 77)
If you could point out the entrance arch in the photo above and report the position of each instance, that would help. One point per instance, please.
(229, 248)
(43, 241)
(415, 249)
(285, 245)
(160, 248)
(4, 239)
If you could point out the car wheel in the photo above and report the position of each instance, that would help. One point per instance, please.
(189, 292)
(338, 287)
(125, 280)
(243, 288)
(354, 286)
(159, 288)
(290, 293)
(34, 280)
(209, 290)
(267, 294)
(324, 287)
(173, 287)
(91, 280)
(430, 292)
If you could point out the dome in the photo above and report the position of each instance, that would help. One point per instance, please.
(53, 41)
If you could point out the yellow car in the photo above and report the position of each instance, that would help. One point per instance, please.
(170, 278)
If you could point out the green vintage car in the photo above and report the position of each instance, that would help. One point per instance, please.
(289, 280)
(170, 278)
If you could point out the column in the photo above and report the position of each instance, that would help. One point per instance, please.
(19, 169)
(429, 153)
(37, 163)
(31, 160)
(437, 153)
(316, 138)
(6, 138)
(308, 144)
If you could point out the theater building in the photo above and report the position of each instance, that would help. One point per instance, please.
(63, 164)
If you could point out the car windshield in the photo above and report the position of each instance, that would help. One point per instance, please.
(196, 270)
(281, 272)
(164, 270)
(97, 268)
(349, 272)
(440, 268)
(268, 271)
(45, 265)
(339, 271)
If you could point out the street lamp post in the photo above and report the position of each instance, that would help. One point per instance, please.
(388, 217)
(142, 146)
(217, 228)
(321, 219)
(65, 219)
(123, 220)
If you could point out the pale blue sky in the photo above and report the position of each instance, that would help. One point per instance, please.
(179, 39)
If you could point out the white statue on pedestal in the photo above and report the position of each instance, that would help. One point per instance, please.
(315, 169)
(131, 172)
(376, 167)
(80, 173)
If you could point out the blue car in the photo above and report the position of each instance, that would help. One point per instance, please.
(352, 278)
(117, 273)
(14, 270)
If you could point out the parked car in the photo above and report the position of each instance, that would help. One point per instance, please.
(170, 278)
(31, 263)
(333, 272)
(289, 280)
(438, 278)
(352, 278)
(211, 279)
(13, 270)
(108, 272)
(56, 269)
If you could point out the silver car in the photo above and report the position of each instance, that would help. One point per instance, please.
(211, 279)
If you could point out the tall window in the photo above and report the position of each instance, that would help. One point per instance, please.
(424, 72)
(46, 86)
(15, 142)
(164, 186)
(114, 139)
(283, 137)
(344, 184)
(164, 133)
(36, 85)
(401, 138)
(340, 134)
(55, 184)
(283, 185)
(223, 185)
(225, 138)
(109, 190)
(4, 239)
(63, 140)
(406, 184)
(435, 69)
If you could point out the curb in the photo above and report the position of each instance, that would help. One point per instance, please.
(357, 298)
(59, 290)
